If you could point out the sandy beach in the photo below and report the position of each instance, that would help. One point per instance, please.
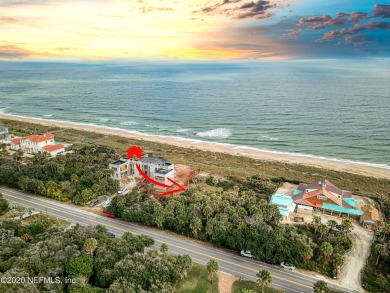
(344, 166)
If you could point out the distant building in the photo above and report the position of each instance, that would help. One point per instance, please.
(34, 144)
(325, 197)
(157, 169)
(285, 204)
(370, 218)
(4, 135)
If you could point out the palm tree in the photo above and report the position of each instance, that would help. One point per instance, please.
(320, 287)
(29, 211)
(316, 222)
(331, 224)
(164, 248)
(326, 250)
(380, 250)
(322, 229)
(264, 278)
(346, 225)
(212, 267)
(307, 253)
(90, 245)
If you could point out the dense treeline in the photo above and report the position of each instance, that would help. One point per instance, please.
(240, 218)
(97, 262)
(376, 275)
(78, 176)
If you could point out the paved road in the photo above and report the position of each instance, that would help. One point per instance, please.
(232, 263)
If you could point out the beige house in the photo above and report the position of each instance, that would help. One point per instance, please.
(370, 217)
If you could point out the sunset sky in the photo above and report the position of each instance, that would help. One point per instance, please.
(193, 30)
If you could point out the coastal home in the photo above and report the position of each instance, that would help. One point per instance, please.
(4, 135)
(34, 144)
(326, 198)
(370, 218)
(285, 204)
(157, 169)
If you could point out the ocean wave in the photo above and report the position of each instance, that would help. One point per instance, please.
(48, 115)
(128, 123)
(269, 137)
(218, 132)
(102, 120)
(3, 110)
(183, 130)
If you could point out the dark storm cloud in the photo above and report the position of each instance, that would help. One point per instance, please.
(255, 9)
(320, 22)
(381, 10)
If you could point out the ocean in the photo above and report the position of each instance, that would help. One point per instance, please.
(331, 109)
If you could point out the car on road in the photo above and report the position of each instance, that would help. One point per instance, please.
(111, 216)
(246, 253)
(288, 266)
(94, 202)
(112, 235)
(122, 190)
(269, 261)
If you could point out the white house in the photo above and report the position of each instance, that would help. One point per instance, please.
(157, 169)
(34, 144)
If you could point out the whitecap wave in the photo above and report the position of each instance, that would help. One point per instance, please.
(2, 110)
(183, 130)
(104, 120)
(128, 123)
(269, 137)
(218, 132)
(48, 115)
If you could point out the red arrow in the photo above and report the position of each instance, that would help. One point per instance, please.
(181, 188)
(150, 179)
(134, 150)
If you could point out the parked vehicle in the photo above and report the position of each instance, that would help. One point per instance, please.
(122, 190)
(247, 253)
(111, 216)
(288, 266)
(112, 235)
(107, 203)
(94, 202)
(299, 219)
(269, 261)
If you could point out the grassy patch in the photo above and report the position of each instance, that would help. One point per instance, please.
(238, 286)
(197, 281)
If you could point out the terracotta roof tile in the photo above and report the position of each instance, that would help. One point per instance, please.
(370, 213)
(54, 147)
(15, 141)
(38, 138)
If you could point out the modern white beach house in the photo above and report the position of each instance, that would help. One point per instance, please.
(157, 169)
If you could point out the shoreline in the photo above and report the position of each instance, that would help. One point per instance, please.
(359, 168)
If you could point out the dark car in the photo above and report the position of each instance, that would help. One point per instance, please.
(93, 203)
(270, 261)
(112, 235)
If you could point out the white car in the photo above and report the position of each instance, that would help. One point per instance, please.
(287, 266)
(247, 253)
(107, 203)
(122, 190)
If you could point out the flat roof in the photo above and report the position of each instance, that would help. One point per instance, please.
(155, 161)
(119, 162)
(3, 128)
(163, 171)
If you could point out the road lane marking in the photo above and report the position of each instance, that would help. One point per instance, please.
(159, 241)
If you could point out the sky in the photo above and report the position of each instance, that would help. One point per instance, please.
(193, 30)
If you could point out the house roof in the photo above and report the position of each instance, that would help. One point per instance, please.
(3, 129)
(337, 208)
(325, 187)
(38, 138)
(15, 141)
(155, 161)
(54, 147)
(370, 214)
(120, 162)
